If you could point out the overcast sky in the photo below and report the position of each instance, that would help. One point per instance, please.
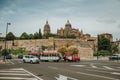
(92, 16)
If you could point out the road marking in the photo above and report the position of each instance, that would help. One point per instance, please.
(98, 71)
(17, 78)
(116, 73)
(16, 69)
(62, 77)
(11, 62)
(24, 74)
(14, 74)
(109, 68)
(78, 65)
(93, 66)
(33, 75)
(94, 75)
(12, 71)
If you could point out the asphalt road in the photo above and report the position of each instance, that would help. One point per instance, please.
(84, 70)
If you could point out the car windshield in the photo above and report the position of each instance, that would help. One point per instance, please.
(115, 55)
(32, 57)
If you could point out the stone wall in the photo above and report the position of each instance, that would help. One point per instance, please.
(85, 50)
(85, 53)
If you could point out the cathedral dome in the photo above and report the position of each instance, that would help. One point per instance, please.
(68, 23)
(46, 28)
(46, 25)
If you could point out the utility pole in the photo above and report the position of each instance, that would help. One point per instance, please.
(6, 41)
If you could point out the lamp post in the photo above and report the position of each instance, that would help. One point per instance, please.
(0, 40)
(6, 40)
(0, 34)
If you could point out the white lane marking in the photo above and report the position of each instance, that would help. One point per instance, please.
(16, 69)
(17, 78)
(11, 62)
(62, 77)
(14, 74)
(33, 75)
(20, 71)
(98, 71)
(93, 66)
(116, 73)
(109, 68)
(78, 65)
(94, 75)
(52, 67)
(13, 71)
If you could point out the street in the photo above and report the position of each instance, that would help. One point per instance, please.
(83, 70)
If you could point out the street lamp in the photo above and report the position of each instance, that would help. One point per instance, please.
(0, 34)
(6, 40)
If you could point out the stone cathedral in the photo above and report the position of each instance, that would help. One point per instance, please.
(66, 31)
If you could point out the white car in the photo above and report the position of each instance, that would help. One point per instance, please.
(30, 59)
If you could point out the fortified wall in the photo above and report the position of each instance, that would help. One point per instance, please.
(85, 51)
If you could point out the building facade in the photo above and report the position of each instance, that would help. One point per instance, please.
(47, 28)
(68, 30)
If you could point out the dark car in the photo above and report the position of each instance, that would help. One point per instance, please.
(20, 56)
(115, 57)
(8, 57)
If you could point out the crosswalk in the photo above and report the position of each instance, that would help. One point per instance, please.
(97, 67)
(17, 74)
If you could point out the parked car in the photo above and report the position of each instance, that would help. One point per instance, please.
(115, 57)
(8, 56)
(20, 56)
(30, 59)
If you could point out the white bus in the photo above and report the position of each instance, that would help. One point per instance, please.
(48, 56)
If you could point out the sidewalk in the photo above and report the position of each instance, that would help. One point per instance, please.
(106, 59)
(95, 58)
(3, 62)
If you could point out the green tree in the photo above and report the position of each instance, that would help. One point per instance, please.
(72, 49)
(31, 36)
(115, 49)
(40, 34)
(18, 51)
(36, 35)
(10, 36)
(24, 36)
(104, 46)
(62, 50)
(49, 35)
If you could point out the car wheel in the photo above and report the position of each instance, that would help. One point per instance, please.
(31, 62)
(24, 61)
(66, 60)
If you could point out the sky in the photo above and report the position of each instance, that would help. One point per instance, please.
(92, 16)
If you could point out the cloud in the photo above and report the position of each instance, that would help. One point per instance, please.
(106, 20)
(92, 16)
(118, 25)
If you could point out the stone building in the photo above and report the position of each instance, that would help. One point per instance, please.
(68, 30)
(47, 28)
(116, 43)
(84, 42)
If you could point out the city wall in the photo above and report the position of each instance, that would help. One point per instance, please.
(51, 44)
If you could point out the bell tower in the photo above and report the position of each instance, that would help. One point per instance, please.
(47, 28)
